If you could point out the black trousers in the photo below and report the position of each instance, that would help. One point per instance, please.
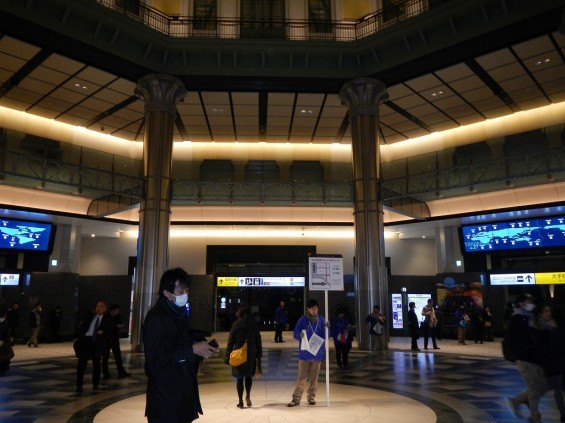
(429, 332)
(114, 347)
(342, 354)
(88, 351)
(279, 331)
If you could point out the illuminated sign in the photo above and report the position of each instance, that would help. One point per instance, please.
(550, 278)
(227, 281)
(397, 312)
(421, 301)
(513, 279)
(9, 279)
(261, 281)
(19, 235)
(543, 232)
(547, 278)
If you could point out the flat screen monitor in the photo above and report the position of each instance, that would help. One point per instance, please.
(542, 232)
(26, 236)
(9, 279)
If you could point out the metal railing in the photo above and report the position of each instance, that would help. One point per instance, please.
(285, 29)
(117, 181)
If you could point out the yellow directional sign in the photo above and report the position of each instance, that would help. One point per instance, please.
(550, 278)
(227, 281)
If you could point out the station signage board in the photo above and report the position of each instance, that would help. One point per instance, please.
(513, 279)
(261, 281)
(544, 278)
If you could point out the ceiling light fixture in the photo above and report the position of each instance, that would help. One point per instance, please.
(435, 94)
(542, 61)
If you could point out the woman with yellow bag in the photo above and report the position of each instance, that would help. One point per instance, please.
(244, 352)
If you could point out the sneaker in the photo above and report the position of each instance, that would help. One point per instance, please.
(312, 401)
(514, 408)
(293, 404)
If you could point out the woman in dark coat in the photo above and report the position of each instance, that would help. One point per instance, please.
(245, 329)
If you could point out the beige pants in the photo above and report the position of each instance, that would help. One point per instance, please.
(33, 338)
(307, 370)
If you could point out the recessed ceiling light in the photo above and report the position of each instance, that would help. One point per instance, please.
(217, 110)
(542, 61)
(82, 87)
(436, 93)
(306, 111)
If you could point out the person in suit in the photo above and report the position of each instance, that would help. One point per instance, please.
(114, 345)
(413, 326)
(245, 330)
(94, 334)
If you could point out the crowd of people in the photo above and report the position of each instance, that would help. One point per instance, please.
(536, 342)
(535, 333)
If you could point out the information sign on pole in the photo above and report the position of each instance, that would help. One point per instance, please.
(325, 273)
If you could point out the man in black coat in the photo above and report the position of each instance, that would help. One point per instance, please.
(413, 326)
(172, 353)
(93, 338)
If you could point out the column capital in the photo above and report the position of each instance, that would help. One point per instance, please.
(363, 96)
(160, 92)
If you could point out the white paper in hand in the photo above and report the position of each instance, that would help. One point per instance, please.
(304, 344)
(315, 342)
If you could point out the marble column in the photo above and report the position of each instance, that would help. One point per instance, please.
(161, 93)
(363, 97)
(69, 254)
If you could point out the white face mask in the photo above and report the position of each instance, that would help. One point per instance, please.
(529, 307)
(2, 319)
(181, 300)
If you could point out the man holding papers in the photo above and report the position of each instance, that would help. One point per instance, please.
(310, 333)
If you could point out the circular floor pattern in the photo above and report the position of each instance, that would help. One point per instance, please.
(349, 404)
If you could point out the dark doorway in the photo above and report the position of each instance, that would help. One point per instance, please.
(261, 301)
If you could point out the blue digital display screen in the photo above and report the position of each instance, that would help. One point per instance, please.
(21, 235)
(545, 232)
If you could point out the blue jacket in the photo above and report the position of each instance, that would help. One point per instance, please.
(280, 316)
(317, 327)
(339, 326)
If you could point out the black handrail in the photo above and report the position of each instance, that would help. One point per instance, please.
(286, 29)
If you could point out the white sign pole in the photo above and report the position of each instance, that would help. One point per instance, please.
(326, 274)
(327, 351)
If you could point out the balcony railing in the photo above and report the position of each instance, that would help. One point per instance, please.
(287, 29)
(116, 182)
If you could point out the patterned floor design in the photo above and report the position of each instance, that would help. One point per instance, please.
(459, 388)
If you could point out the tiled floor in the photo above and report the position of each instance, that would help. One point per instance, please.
(455, 384)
